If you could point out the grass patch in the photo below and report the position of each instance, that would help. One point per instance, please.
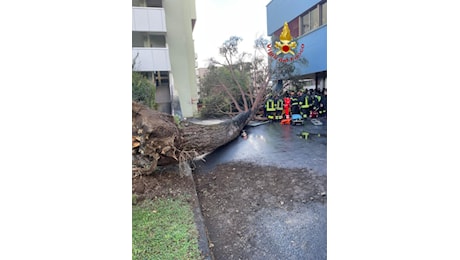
(164, 229)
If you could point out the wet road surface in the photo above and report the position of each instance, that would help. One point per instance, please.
(292, 235)
(279, 145)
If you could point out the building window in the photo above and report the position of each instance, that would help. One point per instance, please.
(313, 18)
(324, 13)
(162, 78)
(155, 41)
(148, 3)
(305, 23)
(148, 40)
(140, 3)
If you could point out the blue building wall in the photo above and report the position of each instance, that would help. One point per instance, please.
(315, 42)
(315, 51)
(280, 11)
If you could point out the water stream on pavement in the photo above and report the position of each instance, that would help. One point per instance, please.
(278, 145)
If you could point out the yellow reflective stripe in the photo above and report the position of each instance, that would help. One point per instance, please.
(270, 105)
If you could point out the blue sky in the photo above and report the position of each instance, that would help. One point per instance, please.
(217, 20)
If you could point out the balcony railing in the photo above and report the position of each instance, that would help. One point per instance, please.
(151, 59)
(149, 19)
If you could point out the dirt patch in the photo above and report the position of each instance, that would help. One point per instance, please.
(260, 212)
(165, 182)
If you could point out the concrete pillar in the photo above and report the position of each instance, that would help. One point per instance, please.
(179, 17)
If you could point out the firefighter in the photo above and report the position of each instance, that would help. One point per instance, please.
(315, 99)
(287, 105)
(279, 108)
(270, 108)
(318, 96)
(305, 104)
(323, 104)
(294, 104)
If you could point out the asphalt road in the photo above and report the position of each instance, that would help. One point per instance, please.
(279, 145)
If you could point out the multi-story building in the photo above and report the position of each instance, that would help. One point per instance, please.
(307, 21)
(163, 50)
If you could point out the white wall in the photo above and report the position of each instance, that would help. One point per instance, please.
(152, 59)
(149, 19)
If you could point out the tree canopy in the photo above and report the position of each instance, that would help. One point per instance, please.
(241, 82)
(232, 86)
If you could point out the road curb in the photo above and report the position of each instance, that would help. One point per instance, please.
(203, 239)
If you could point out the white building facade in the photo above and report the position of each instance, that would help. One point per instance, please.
(163, 50)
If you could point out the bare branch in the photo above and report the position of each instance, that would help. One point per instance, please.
(230, 95)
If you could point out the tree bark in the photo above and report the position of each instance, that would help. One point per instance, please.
(157, 140)
(207, 138)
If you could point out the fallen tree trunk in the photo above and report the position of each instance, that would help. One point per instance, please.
(157, 140)
(205, 138)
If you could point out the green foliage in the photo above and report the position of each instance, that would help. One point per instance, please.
(177, 120)
(286, 70)
(164, 229)
(216, 101)
(230, 46)
(238, 83)
(143, 90)
(215, 106)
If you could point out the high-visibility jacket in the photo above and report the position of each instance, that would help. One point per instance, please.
(270, 105)
(306, 102)
(279, 104)
(295, 109)
(319, 98)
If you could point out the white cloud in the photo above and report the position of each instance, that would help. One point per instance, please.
(217, 20)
